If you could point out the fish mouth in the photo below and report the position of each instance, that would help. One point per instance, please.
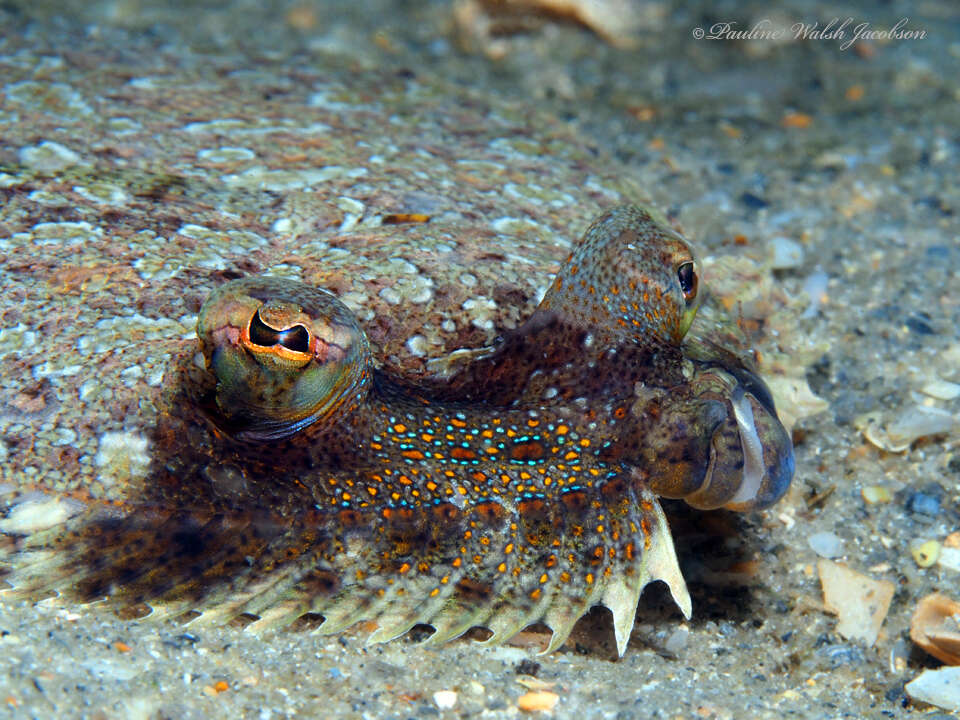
(749, 462)
(768, 459)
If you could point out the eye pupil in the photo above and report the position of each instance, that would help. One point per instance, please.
(688, 280)
(295, 338)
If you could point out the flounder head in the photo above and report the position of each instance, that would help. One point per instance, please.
(632, 276)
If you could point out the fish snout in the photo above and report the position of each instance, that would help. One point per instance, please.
(739, 455)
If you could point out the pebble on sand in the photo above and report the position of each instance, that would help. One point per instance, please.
(678, 640)
(860, 602)
(949, 558)
(875, 494)
(445, 699)
(785, 253)
(538, 700)
(826, 544)
(926, 554)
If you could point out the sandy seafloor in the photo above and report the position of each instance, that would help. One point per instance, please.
(242, 137)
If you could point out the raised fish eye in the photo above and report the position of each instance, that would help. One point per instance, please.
(296, 338)
(688, 281)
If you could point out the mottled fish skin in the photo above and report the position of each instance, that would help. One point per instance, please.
(291, 476)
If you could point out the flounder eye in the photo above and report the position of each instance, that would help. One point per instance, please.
(687, 276)
(284, 356)
(296, 338)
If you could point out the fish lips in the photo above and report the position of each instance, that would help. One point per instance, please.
(766, 449)
(751, 460)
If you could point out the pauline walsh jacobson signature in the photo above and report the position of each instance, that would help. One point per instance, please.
(845, 31)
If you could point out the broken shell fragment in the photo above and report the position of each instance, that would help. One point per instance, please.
(860, 602)
(935, 627)
(941, 389)
(914, 423)
(940, 687)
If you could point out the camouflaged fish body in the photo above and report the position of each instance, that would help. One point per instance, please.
(292, 477)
